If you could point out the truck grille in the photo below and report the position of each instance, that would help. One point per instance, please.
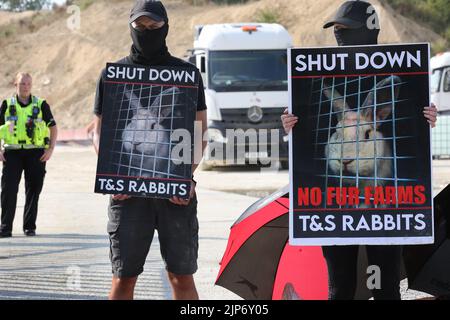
(238, 119)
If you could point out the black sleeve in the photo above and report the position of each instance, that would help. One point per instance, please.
(98, 108)
(201, 103)
(47, 115)
(2, 112)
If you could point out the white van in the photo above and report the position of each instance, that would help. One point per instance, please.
(440, 82)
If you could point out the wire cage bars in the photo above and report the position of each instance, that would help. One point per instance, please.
(142, 122)
(359, 135)
(441, 137)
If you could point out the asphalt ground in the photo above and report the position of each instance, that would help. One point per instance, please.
(69, 257)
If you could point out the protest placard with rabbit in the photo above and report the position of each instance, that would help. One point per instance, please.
(360, 152)
(140, 115)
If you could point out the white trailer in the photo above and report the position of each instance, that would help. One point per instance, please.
(440, 96)
(440, 81)
(244, 69)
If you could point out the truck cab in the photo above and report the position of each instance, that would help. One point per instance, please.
(440, 96)
(440, 82)
(244, 69)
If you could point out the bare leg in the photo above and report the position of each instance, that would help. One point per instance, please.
(122, 288)
(183, 287)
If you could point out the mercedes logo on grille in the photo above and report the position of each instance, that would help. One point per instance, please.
(255, 114)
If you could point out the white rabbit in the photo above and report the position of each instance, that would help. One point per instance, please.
(146, 136)
(356, 126)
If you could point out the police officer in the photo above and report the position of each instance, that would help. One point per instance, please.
(28, 132)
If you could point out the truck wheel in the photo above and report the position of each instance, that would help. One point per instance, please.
(284, 164)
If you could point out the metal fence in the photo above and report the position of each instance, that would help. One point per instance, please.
(441, 137)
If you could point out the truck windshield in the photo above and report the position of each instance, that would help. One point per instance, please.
(250, 70)
(436, 80)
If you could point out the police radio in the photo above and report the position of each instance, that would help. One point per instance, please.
(30, 123)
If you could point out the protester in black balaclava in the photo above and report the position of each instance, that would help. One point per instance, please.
(356, 23)
(359, 36)
(149, 46)
(352, 27)
(133, 220)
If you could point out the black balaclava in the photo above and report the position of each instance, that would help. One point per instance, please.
(354, 37)
(361, 21)
(149, 46)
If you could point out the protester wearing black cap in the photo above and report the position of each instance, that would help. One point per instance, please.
(132, 221)
(356, 23)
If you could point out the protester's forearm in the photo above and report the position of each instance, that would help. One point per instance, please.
(96, 141)
(204, 144)
(96, 134)
(201, 116)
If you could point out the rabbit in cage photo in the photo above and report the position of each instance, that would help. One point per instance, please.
(146, 138)
(357, 147)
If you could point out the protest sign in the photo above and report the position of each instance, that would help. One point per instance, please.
(146, 142)
(360, 153)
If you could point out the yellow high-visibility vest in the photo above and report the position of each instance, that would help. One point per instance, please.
(24, 126)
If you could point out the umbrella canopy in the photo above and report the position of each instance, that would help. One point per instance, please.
(259, 263)
(428, 266)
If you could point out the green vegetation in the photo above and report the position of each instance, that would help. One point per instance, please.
(268, 16)
(196, 2)
(36, 5)
(26, 25)
(220, 2)
(22, 5)
(229, 1)
(434, 14)
(83, 4)
(7, 31)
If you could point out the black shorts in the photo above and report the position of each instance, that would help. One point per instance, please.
(132, 224)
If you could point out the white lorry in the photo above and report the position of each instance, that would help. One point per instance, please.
(440, 96)
(440, 81)
(244, 69)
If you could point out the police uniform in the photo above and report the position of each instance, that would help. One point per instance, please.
(24, 129)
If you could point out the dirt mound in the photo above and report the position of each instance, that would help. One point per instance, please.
(66, 63)
(12, 17)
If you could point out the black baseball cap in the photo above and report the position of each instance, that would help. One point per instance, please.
(150, 8)
(352, 14)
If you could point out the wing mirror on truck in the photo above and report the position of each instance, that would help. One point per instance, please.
(202, 66)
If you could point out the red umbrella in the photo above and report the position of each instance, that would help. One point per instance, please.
(259, 263)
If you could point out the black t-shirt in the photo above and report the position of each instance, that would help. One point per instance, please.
(171, 62)
(47, 115)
